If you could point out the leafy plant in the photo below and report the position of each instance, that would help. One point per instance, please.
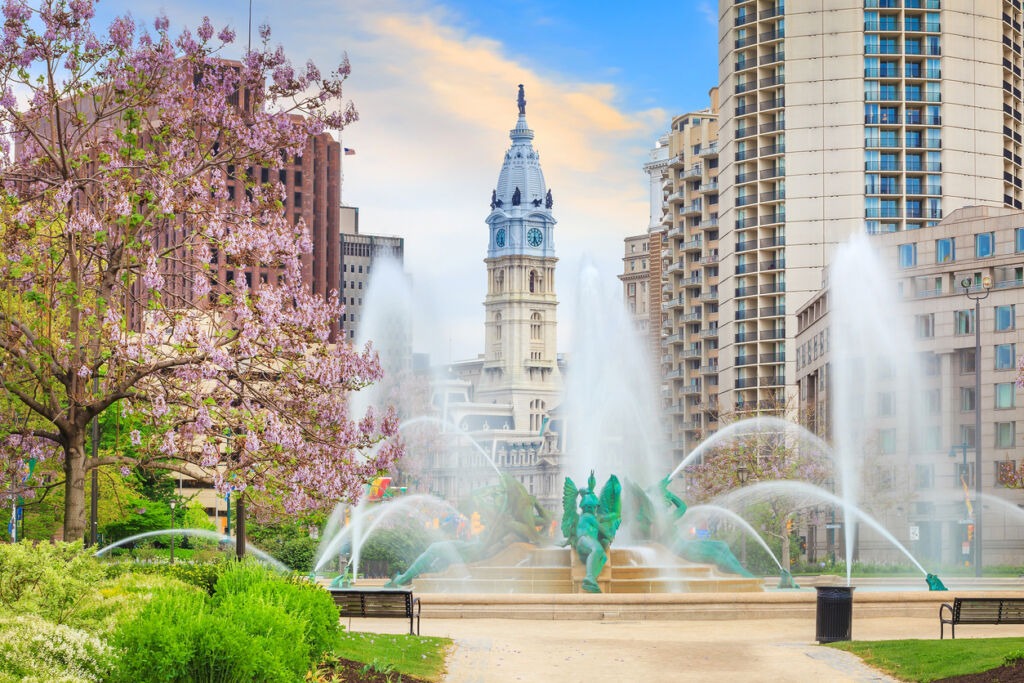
(52, 580)
(39, 651)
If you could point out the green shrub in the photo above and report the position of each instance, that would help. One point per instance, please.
(296, 595)
(35, 650)
(53, 580)
(257, 626)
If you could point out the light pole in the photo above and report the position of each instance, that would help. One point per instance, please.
(743, 473)
(986, 285)
(172, 532)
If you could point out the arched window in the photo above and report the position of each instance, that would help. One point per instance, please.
(533, 281)
(499, 281)
(535, 326)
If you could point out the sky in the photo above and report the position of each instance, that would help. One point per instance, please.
(435, 86)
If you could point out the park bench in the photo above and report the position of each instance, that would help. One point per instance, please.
(372, 601)
(980, 611)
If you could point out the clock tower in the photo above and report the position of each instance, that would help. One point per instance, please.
(520, 359)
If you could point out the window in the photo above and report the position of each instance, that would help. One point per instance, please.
(1005, 432)
(967, 361)
(932, 399)
(964, 321)
(966, 399)
(907, 255)
(1005, 395)
(967, 435)
(535, 327)
(925, 325)
(984, 245)
(1005, 357)
(885, 404)
(923, 476)
(1006, 318)
(887, 440)
(1018, 239)
(945, 250)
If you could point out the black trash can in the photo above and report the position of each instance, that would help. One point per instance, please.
(835, 613)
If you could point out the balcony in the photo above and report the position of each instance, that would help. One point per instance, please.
(746, 313)
(746, 245)
(690, 389)
(772, 81)
(772, 288)
(693, 245)
(746, 154)
(772, 311)
(709, 187)
(772, 358)
(772, 58)
(773, 172)
(774, 264)
(772, 381)
(709, 332)
(777, 103)
(777, 241)
(710, 223)
(709, 150)
(709, 369)
(773, 218)
(743, 268)
(695, 171)
(690, 281)
(772, 150)
(746, 291)
(746, 177)
(694, 208)
(764, 335)
(690, 352)
(746, 382)
(772, 126)
(742, 337)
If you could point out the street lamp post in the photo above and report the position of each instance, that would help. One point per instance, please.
(986, 284)
(172, 532)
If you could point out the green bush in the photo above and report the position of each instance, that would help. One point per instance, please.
(296, 595)
(257, 626)
(53, 580)
(287, 542)
(394, 549)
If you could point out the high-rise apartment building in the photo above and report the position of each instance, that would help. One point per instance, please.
(689, 278)
(876, 115)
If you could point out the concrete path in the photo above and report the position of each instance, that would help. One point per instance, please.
(578, 651)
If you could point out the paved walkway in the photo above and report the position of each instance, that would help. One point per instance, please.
(571, 651)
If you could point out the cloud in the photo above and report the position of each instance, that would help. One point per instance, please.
(709, 13)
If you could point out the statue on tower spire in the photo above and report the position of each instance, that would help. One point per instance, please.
(522, 101)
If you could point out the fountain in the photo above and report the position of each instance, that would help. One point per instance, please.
(260, 555)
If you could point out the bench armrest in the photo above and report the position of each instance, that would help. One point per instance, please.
(943, 622)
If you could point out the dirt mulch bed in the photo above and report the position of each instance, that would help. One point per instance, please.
(1011, 673)
(348, 670)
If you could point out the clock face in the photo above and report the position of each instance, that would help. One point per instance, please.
(534, 237)
(499, 238)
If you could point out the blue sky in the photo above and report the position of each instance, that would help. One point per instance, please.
(435, 85)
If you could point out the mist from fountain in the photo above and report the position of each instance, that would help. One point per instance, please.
(710, 510)
(367, 517)
(462, 433)
(262, 556)
(762, 424)
(610, 401)
(807, 495)
(874, 366)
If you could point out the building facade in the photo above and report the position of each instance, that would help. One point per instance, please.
(359, 253)
(689, 278)
(934, 470)
(876, 115)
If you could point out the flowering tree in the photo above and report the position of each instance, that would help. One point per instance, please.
(119, 217)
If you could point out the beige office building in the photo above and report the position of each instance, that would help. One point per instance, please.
(930, 471)
(841, 117)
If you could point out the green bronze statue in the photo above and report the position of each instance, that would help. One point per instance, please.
(591, 530)
(510, 515)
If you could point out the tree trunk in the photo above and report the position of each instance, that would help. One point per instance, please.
(74, 489)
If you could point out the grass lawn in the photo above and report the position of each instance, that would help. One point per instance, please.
(420, 656)
(929, 660)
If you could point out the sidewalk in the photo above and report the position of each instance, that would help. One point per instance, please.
(571, 651)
